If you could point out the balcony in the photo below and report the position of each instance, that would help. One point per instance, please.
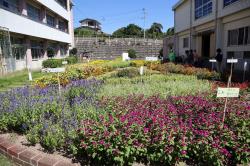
(21, 24)
(56, 7)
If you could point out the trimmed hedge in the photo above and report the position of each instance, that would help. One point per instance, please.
(54, 63)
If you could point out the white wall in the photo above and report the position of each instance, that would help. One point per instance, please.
(234, 7)
(55, 7)
(23, 25)
(182, 17)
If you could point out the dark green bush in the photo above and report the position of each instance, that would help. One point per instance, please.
(132, 54)
(73, 51)
(50, 52)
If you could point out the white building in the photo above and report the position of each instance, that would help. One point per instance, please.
(205, 25)
(36, 26)
(90, 23)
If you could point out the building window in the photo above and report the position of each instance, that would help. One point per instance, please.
(230, 55)
(203, 8)
(63, 50)
(228, 2)
(239, 36)
(12, 5)
(33, 12)
(63, 26)
(18, 48)
(37, 51)
(50, 20)
(246, 55)
(63, 3)
(185, 42)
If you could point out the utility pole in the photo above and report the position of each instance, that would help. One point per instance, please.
(144, 18)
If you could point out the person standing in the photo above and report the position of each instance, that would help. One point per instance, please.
(171, 56)
(219, 58)
(196, 58)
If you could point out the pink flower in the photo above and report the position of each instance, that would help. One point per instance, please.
(183, 152)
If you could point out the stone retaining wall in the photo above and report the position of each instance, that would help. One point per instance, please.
(105, 48)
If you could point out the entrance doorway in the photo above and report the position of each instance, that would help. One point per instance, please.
(205, 45)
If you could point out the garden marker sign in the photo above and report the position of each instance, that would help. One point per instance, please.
(57, 70)
(151, 58)
(125, 56)
(213, 61)
(64, 62)
(228, 92)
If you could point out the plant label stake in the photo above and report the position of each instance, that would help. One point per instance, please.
(141, 70)
(213, 61)
(29, 72)
(245, 68)
(228, 92)
(57, 70)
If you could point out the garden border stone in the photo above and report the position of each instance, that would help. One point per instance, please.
(26, 157)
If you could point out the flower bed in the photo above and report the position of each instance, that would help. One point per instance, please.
(45, 116)
(166, 131)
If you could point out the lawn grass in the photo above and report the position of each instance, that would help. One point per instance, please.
(157, 84)
(5, 162)
(17, 79)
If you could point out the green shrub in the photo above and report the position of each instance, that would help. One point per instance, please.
(132, 54)
(52, 63)
(128, 72)
(71, 59)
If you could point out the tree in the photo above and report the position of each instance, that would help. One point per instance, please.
(130, 30)
(155, 31)
(119, 33)
(132, 53)
(170, 32)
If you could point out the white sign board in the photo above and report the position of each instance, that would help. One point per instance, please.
(56, 70)
(232, 61)
(228, 92)
(213, 60)
(125, 56)
(64, 62)
(151, 58)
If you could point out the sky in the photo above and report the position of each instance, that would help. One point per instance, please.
(114, 14)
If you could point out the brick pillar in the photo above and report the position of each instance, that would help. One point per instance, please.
(28, 53)
(23, 7)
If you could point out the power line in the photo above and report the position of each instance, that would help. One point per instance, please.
(144, 26)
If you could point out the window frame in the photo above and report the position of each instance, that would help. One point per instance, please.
(229, 3)
(185, 42)
(246, 38)
(52, 22)
(30, 6)
(10, 5)
(201, 7)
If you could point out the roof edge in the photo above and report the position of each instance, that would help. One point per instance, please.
(178, 4)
